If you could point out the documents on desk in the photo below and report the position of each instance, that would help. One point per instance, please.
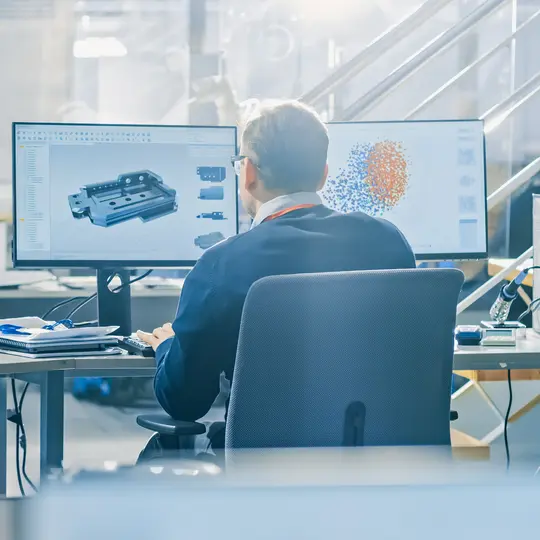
(35, 338)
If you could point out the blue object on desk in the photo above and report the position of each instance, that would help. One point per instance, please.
(468, 334)
(68, 323)
(12, 329)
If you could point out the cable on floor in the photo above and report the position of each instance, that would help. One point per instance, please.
(506, 419)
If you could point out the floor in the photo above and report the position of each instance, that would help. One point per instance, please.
(94, 434)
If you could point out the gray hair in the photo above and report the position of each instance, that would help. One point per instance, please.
(288, 143)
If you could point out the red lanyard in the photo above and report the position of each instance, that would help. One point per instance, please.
(287, 210)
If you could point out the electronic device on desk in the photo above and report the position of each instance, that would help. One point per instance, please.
(133, 345)
(105, 345)
(468, 335)
(501, 307)
(102, 216)
(499, 337)
(519, 328)
(438, 204)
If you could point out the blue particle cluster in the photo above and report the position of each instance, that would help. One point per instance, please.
(349, 190)
(374, 180)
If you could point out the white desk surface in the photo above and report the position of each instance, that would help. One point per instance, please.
(6, 294)
(525, 355)
(84, 286)
(10, 364)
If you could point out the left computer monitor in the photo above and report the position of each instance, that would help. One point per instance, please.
(108, 196)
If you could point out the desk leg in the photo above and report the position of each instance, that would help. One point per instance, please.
(3, 437)
(52, 422)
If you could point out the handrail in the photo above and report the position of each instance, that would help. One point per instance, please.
(437, 46)
(493, 282)
(498, 113)
(495, 198)
(518, 180)
(374, 50)
(479, 61)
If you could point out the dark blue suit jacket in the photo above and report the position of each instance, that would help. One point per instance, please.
(207, 323)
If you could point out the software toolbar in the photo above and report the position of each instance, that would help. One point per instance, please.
(83, 136)
(92, 134)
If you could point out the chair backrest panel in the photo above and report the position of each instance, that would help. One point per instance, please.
(315, 349)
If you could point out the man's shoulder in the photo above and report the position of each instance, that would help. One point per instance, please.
(382, 231)
(376, 223)
(221, 250)
(375, 227)
(366, 218)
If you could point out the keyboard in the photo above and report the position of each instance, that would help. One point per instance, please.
(133, 345)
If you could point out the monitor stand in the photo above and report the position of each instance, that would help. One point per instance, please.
(114, 308)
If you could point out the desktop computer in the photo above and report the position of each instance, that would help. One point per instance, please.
(426, 177)
(117, 197)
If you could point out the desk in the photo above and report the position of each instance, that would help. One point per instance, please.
(49, 375)
(525, 355)
(490, 364)
(149, 307)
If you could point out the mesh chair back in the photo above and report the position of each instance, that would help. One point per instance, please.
(345, 359)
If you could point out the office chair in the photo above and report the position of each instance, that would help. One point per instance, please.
(341, 359)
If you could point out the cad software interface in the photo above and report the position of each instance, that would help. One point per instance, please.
(122, 193)
(428, 178)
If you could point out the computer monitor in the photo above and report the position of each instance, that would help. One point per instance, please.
(426, 177)
(121, 196)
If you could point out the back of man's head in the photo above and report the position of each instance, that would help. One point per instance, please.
(288, 143)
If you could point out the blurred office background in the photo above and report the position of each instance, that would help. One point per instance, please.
(140, 61)
(149, 61)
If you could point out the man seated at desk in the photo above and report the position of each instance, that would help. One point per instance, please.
(281, 166)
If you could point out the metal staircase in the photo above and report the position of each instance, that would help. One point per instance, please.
(495, 117)
(502, 181)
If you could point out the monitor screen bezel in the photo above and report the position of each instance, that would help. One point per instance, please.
(97, 264)
(449, 256)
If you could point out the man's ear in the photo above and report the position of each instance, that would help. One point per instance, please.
(323, 180)
(251, 175)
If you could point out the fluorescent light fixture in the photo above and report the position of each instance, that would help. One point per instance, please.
(99, 47)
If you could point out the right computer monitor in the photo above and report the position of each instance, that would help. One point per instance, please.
(426, 177)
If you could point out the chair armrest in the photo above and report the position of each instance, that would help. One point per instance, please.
(453, 416)
(165, 425)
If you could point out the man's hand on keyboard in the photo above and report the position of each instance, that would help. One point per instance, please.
(158, 336)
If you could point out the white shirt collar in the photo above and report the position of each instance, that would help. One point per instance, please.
(283, 202)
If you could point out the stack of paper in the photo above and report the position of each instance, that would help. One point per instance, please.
(34, 341)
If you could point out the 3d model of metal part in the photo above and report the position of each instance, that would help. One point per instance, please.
(206, 241)
(213, 193)
(212, 174)
(140, 194)
(216, 216)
